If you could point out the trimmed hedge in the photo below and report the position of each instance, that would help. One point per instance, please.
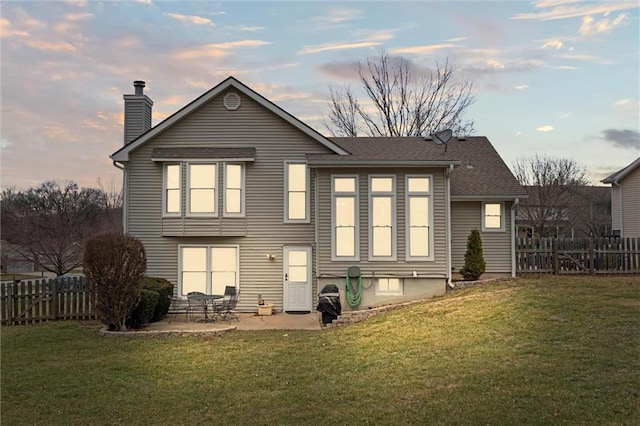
(143, 313)
(165, 291)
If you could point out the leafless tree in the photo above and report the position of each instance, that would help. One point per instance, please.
(49, 225)
(406, 100)
(553, 185)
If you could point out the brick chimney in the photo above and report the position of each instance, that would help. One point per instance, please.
(137, 113)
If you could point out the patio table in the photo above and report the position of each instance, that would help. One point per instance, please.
(206, 299)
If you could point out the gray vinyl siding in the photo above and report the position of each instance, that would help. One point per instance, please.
(261, 232)
(467, 216)
(137, 110)
(399, 267)
(630, 204)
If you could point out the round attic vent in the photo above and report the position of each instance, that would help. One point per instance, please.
(231, 101)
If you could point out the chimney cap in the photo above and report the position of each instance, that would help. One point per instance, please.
(139, 86)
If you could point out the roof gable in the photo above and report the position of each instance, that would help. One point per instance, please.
(622, 173)
(122, 154)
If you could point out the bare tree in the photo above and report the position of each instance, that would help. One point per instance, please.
(48, 225)
(553, 185)
(406, 101)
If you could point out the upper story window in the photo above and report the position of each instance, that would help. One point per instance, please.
(233, 189)
(296, 203)
(171, 193)
(419, 217)
(493, 217)
(344, 218)
(201, 194)
(382, 218)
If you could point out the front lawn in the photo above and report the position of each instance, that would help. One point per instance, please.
(550, 350)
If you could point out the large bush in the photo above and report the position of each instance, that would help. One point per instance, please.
(143, 313)
(165, 290)
(474, 264)
(114, 264)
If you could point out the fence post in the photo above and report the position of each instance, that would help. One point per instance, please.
(556, 260)
(591, 256)
(53, 288)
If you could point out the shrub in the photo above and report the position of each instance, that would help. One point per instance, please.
(143, 313)
(165, 290)
(474, 264)
(114, 264)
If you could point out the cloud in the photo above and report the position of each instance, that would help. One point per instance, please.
(553, 44)
(590, 26)
(247, 28)
(622, 102)
(562, 9)
(521, 87)
(495, 64)
(422, 50)
(374, 39)
(337, 16)
(50, 46)
(457, 39)
(546, 128)
(7, 31)
(626, 138)
(190, 19)
(218, 49)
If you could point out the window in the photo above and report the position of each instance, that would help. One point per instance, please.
(389, 286)
(208, 269)
(296, 203)
(201, 193)
(419, 218)
(344, 218)
(382, 229)
(493, 217)
(171, 189)
(233, 189)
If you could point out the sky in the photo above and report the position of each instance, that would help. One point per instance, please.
(551, 77)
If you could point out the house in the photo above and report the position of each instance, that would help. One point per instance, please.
(625, 200)
(233, 190)
(566, 212)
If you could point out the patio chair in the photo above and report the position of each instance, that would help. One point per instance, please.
(226, 307)
(179, 306)
(197, 307)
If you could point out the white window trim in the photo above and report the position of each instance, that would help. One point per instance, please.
(164, 189)
(502, 217)
(379, 292)
(394, 209)
(243, 190)
(187, 190)
(356, 196)
(407, 234)
(208, 271)
(307, 198)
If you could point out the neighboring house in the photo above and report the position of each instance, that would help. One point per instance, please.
(625, 200)
(12, 261)
(579, 212)
(233, 190)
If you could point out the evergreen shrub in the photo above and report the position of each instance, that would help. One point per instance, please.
(474, 264)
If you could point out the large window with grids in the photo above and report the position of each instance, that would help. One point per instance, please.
(208, 269)
(382, 218)
(419, 217)
(344, 218)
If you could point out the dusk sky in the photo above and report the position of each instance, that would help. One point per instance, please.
(556, 77)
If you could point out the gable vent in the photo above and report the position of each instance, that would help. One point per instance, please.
(232, 101)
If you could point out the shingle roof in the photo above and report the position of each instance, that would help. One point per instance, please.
(620, 174)
(480, 172)
(159, 154)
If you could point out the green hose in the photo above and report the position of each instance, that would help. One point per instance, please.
(353, 299)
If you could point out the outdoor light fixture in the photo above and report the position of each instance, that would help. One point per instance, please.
(271, 256)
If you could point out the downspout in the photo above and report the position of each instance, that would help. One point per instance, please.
(513, 236)
(316, 186)
(125, 199)
(615, 182)
(447, 195)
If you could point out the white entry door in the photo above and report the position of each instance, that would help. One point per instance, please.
(297, 279)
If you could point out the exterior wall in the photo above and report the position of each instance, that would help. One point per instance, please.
(496, 246)
(414, 288)
(137, 112)
(263, 229)
(335, 271)
(630, 204)
(616, 216)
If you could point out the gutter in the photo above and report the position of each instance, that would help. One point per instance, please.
(513, 236)
(125, 199)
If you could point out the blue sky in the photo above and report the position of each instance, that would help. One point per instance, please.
(556, 77)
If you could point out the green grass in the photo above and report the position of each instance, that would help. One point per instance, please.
(533, 351)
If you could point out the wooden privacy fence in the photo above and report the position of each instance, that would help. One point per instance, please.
(578, 256)
(33, 301)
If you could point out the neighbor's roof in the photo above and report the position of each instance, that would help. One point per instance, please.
(480, 172)
(621, 174)
(123, 153)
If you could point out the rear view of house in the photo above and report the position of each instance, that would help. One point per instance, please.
(233, 190)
